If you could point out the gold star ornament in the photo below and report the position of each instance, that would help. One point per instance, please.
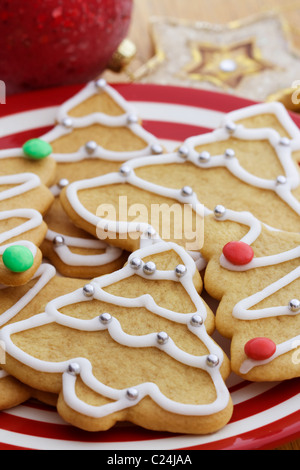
(225, 66)
(252, 58)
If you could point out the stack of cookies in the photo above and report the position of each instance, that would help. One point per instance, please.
(108, 243)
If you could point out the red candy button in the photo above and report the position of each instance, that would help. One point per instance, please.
(260, 349)
(238, 253)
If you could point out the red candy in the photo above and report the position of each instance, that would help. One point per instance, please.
(238, 253)
(260, 349)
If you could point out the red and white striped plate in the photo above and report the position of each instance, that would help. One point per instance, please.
(265, 414)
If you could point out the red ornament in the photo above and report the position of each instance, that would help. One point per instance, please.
(260, 349)
(59, 42)
(238, 253)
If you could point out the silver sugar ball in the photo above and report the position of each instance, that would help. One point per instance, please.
(135, 263)
(230, 127)
(73, 368)
(204, 157)
(91, 146)
(150, 232)
(125, 170)
(180, 270)
(63, 182)
(58, 241)
(67, 122)
(100, 83)
(132, 119)
(183, 151)
(162, 337)
(219, 211)
(105, 318)
(229, 153)
(132, 393)
(156, 149)
(88, 290)
(149, 267)
(212, 360)
(281, 179)
(285, 142)
(187, 191)
(294, 305)
(196, 320)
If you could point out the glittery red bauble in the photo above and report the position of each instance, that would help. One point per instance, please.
(46, 43)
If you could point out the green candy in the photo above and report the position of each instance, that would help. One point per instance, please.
(37, 149)
(17, 258)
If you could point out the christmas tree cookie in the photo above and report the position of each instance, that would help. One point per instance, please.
(250, 164)
(73, 251)
(20, 303)
(134, 345)
(255, 274)
(96, 130)
(24, 199)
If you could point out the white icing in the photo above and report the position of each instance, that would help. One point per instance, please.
(244, 218)
(44, 274)
(89, 91)
(11, 153)
(242, 309)
(275, 108)
(283, 150)
(34, 220)
(72, 259)
(23, 182)
(98, 118)
(231, 163)
(114, 328)
(124, 227)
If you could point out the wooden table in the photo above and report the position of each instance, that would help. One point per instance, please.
(213, 11)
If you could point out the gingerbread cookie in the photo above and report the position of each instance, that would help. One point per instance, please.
(96, 130)
(250, 163)
(24, 198)
(32, 157)
(74, 252)
(255, 274)
(20, 303)
(22, 232)
(12, 391)
(132, 345)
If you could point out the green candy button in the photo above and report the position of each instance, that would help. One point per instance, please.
(37, 149)
(17, 258)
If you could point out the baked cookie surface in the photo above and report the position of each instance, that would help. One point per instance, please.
(254, 272)
(132, 345)
(249, 164)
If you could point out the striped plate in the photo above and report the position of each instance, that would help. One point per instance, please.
(265, 415)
